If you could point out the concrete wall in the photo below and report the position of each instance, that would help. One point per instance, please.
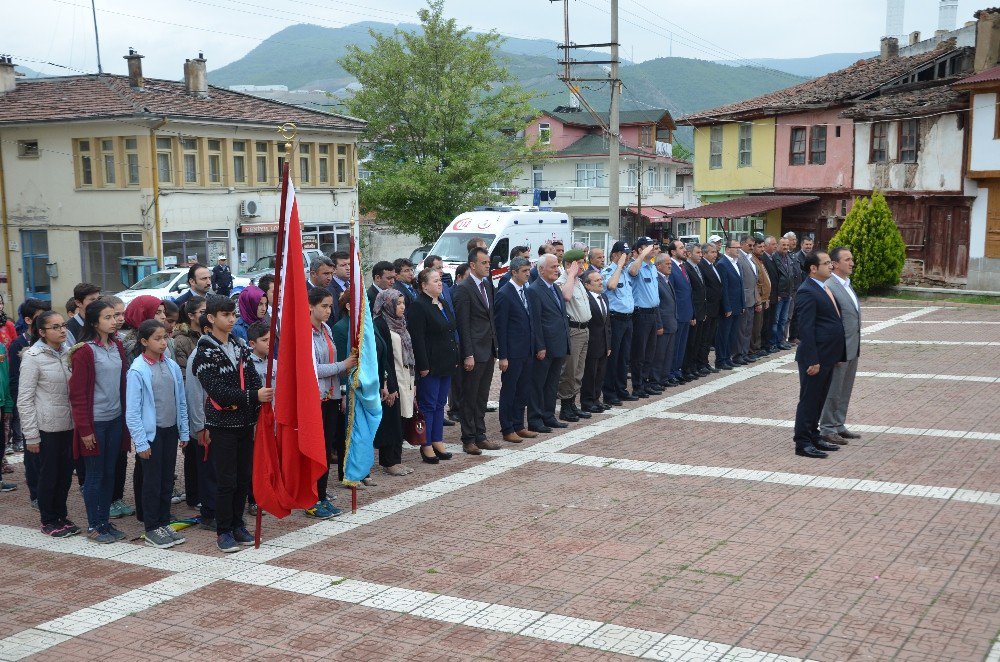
(42, 194)
(985, 148)
(731, 177)
(836, 173)
(939, 158)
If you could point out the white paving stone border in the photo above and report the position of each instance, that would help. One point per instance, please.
(912, 375)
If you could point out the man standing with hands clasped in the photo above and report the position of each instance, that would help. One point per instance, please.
(834, 417)
(822, 346)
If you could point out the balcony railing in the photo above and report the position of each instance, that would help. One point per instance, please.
(656, 195)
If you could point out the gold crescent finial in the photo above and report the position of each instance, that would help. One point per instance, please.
(288, 131)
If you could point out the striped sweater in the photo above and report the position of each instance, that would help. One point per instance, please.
(236, 406)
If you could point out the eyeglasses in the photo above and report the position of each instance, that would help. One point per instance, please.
(55, 327)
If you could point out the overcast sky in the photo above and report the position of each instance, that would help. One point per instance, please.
(168, 31)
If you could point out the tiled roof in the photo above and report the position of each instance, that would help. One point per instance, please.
(593, 144)
(583, 118)
(861, 77)
(988, 76)
(745, 206)
(907, 104)
(73, 98)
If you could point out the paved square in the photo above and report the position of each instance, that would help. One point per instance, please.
(676, 528)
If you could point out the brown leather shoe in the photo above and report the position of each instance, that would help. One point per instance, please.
(487, 445)
(471, 448)
(834, 439)
(526, 434)
(847, 434)
(512, 438)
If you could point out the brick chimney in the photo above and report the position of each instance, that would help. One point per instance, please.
(890, 48)
(195, 77)
(914, 37)
(987, 39)
(135, 78)
(8, 80)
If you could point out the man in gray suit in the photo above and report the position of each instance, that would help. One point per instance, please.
(832, 421)
(748, 272)
(666, 328)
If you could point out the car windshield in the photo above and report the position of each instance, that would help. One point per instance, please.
(266, 262)
(155, 281)
(452, 246)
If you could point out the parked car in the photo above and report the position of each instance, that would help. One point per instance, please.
(418, 254)
(265, 265)
(170, 284)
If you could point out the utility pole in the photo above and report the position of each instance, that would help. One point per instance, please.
(97, 38)
(614, 211)
(611, 128)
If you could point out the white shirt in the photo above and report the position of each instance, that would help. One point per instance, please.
(520, 294)
(750, 260)
(847, 286)
(821, 283)
(600, 303)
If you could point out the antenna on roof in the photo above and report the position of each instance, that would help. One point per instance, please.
(97, 37)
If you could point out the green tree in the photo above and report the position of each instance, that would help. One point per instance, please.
(443, 121)
(874, 239)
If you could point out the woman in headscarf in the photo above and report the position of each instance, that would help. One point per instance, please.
(139, 309)
(252, 305)
(396, 356)
(7, 329)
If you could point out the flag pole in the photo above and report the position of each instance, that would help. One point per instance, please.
(354, 240)
(288, 132)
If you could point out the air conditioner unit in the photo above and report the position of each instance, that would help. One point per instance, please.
(249, 209)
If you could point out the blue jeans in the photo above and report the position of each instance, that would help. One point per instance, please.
(100, 481)
(432, 394)
(780, 319)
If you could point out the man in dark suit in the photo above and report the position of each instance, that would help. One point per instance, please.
(341, 278)
(732, 296)
(320, 272)
(477, 339)
(666, 332)
(551, 344)
(698, 300)
(513, 324)
(383, 278)
(405, 279)
(770, 262)
(748, 273)
(517, 251)
(822, 346)
(598, 345)
(715, 305)
(681, 283)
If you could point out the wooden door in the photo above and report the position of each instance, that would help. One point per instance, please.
(947, 253)
(993, 220)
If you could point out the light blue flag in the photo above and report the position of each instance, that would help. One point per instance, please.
(364, 404)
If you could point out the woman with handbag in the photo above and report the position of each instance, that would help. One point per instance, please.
(431, 322)
(396, 355)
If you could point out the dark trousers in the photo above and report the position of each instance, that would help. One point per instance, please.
(137, 489)
(813, 390)
(16, 435)
(768, 324)
(81, 470)
(663, 359)
(709, 328)
(515, 383)
(616, 376)
(32, 465)
(545, 381)
(680, 347)
(454, 397)
(158, 478)
(206, 480)
(100, 483)
(231, 451)
(332, 421)
(644, 326)
(121, 471)
(475, 393)
(55, 474)
(432, 394)
(693, 346)
(191, 493)
(593, 378)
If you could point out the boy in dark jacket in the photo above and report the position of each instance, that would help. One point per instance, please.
(223, 366)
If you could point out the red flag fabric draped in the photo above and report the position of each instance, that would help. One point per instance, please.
(289, 451)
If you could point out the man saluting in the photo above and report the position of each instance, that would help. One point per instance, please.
(821, 347)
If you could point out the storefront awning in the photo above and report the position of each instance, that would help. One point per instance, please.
(739, 207)
(654, 214)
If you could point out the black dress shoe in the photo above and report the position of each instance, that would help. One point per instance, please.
(442, 455)
(629, 398)
(653, 389)
(542, 429)
(605, 406)
(614, 403)
(640, 394)
(825, 445)
(847, 434)
(429, 460)
(723, 366)
(751, 358)
(704, 372)
(556, 424)
(810, 451)
(448, 422)
(785, 345)
(568, 415)
(580, 413)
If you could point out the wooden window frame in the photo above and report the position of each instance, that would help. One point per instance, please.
(746, 127)
(792, 152)
(323, 165)
(812, 143)
(258, 154)
(545, 133)
(305, 170)
(646, 135)
(83, 161)
(715, 157)
(213, 154)
(878, 127)
(916, 140)
(129, 153)
(242, 156)
(342, 176)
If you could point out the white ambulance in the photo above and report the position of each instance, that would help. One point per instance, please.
(502, 228)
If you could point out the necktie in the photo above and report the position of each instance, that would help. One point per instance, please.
(482, 290)
(832, 300)
(685, 273)
(524, 302)
(555, 293)
(697, 273)
(600, 305)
